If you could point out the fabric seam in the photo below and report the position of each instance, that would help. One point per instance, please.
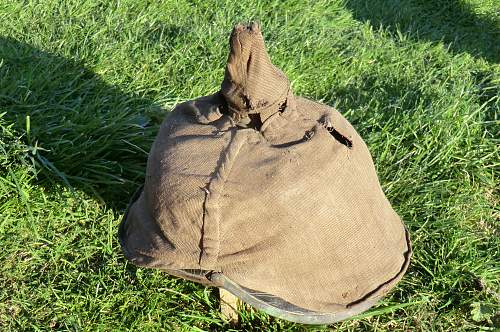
(214, 190)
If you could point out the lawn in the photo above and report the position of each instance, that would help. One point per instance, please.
(84, 86)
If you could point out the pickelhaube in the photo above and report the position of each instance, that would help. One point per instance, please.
(273, 197)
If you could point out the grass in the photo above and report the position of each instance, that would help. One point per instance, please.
(84, 86)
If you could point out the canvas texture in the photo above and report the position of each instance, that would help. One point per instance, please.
(277, 192)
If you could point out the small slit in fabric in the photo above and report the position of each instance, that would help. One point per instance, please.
(282, 107)
(339, 137)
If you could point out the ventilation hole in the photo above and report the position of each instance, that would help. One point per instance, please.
(282, 107)
(339, 137)
(308, 135)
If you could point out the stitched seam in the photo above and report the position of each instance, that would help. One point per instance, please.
(214, 190)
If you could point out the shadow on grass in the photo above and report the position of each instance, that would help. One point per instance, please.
(87, 133)
(452, 21)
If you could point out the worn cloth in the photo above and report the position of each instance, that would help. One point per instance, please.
(277, 192)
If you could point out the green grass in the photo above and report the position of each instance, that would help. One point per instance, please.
(84, 86)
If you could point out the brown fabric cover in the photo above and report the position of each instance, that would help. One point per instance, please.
(288, 203)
